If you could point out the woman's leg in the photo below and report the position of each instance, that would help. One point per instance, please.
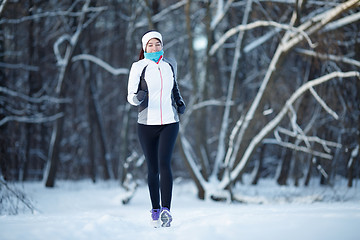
(149, 140)
(166, 146)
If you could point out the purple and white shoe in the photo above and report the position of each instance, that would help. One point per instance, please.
(155, 218)
(165, 217)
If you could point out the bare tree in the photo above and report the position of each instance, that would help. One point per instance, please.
(243, 139)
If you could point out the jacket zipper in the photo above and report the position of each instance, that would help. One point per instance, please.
(161, 92)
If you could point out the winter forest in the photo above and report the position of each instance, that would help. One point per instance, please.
(272, 89)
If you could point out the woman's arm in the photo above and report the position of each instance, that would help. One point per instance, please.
(133, 85)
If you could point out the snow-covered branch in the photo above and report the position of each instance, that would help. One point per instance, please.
(329, 57)
(304, 30)
(162, 14)
(31, 119)
(258, 42)
(2, 6)
(231, 141)
(207, 103)
(61, 61)
(342, 22)
(323, 104)
(192, 107)
(19, 66)
(318, 22)
(191, 160)
(298, 148)
(67, 13)
(32, 99)
(101, 63)
(253, 25)
(354, 154)
(316, 139)
(220, 13)
(306, 149)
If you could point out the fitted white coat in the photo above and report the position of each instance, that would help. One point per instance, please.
(160, 107)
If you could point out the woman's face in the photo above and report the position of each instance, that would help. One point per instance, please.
(154, 45)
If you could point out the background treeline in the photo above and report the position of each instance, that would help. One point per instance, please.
(63, 85)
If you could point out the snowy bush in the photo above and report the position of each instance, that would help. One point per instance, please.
(13, 200)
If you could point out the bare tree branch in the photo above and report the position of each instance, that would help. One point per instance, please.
(342, 22)
(304, 30)
(329, 57)
(320, 21)
(31, 119)
(161, 15)
(33, 99)
(2, 6)
(68, 13)
(323, 104)
(101, 63)
(316, 139)
(19, 66)
(298, 148)
(220, 13)
(253, 25)
(275, 121)
(199, 105)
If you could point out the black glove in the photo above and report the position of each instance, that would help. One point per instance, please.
(141, 95)
(180, 106)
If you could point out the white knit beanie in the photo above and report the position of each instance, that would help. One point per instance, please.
(149, 35)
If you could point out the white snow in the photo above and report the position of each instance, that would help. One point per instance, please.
(82, 210)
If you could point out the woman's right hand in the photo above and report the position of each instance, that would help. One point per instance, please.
(141, 95)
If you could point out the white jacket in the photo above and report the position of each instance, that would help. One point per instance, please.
(159, 107)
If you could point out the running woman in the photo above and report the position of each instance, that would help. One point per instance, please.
(153, 88)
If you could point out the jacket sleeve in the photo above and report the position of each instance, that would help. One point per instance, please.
(175, 90)
(176, 93)
(133, 85)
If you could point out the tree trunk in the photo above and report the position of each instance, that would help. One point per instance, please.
(54, 148)
(353, 158)
(91, 138)
(200, 124)
(258, 167)
(308, 174)
(51, 168)
(356, 158)
(35, 85)
(124, 144)
(105, 160)
(285, 168)
(201, 190)
(191, 57)
(296, 170)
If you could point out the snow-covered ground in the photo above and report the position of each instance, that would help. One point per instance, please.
(82, 210)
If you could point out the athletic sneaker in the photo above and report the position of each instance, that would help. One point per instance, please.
(155, 217)
(165, 217)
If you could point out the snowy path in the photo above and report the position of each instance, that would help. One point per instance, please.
(83, 211)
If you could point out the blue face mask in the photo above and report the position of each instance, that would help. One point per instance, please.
(155, 56)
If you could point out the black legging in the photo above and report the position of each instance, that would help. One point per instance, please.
(157, 142)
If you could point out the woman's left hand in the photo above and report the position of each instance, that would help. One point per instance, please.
(181, 106)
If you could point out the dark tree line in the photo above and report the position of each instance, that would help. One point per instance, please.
(272, 88)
